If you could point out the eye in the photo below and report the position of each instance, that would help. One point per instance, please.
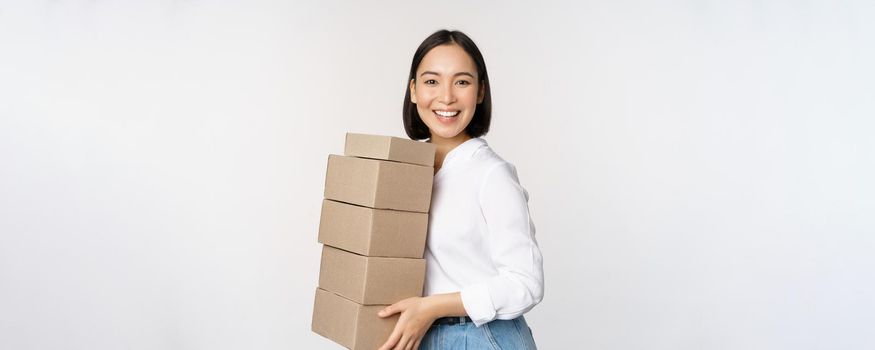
(430, 82)
(463, 82)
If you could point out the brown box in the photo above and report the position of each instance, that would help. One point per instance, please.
(370, 280)
(379, 184)
(373, 232)
(389, 148)
(347, 323)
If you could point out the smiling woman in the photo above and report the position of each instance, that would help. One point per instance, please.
(449, 90)
(483, 266)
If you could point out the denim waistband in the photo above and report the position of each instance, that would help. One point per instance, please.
(451, 320)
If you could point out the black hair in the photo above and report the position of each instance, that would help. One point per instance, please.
(479, 126)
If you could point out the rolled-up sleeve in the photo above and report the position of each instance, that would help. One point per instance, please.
(519, 284)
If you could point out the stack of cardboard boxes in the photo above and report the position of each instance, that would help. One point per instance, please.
(373, 227)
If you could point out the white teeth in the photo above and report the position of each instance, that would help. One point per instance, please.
(447, 113)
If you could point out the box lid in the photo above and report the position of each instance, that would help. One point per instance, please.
(389, 148)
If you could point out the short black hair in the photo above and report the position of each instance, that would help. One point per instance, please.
(479, 126)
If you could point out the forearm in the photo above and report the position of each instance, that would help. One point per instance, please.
(444, 305)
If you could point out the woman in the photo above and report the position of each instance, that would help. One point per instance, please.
(484, 268)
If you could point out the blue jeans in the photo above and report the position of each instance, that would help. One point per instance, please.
(496, 335)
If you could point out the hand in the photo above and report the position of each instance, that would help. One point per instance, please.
(414, 321)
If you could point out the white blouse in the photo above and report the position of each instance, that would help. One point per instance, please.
(481, 239)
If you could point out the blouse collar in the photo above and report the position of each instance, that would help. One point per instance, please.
(464, 150)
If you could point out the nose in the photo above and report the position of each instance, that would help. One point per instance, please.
(446, 95)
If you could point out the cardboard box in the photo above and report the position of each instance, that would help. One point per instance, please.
(378, 183)
(373, 232)
(370, 280)
(389, 148)
(347, 323)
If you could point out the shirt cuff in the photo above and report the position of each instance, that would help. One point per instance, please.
(478, 303)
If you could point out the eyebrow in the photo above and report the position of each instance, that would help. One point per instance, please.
(455, 75)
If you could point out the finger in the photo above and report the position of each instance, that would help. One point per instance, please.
(385, 311)
(389, 310)
(393, 339)
(402, 345)
(410, 343)
(416, 346)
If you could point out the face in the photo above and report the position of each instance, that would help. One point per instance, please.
(446, 91)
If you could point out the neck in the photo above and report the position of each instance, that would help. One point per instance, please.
(444, 146)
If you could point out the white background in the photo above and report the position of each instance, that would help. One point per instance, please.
(700, 171)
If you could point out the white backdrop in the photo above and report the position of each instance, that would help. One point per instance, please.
(700, 171)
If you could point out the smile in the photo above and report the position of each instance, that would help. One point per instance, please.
(446, 114)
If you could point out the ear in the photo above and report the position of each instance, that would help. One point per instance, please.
(482, 93)
(413, 91)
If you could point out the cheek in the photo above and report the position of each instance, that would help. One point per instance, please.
(423, 97)
(422, 104)
(470, 96)
(423, 110)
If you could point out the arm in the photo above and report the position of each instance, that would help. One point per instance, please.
(417, 314)
(519, 284)
(444, 305)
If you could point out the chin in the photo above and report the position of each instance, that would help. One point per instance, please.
(447, 134)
